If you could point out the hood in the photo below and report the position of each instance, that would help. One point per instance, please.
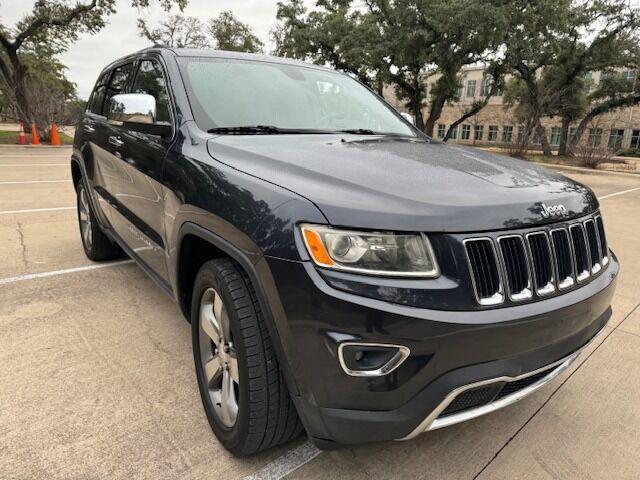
(404, 184)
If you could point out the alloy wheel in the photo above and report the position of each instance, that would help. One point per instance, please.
(218, 357)
(85, 218)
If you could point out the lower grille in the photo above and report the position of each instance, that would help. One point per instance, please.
(470, 399)
(513, 387)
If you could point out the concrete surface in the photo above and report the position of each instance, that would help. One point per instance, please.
(98, 382)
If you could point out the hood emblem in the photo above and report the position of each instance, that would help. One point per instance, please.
(553, 211)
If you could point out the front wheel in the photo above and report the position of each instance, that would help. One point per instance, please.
(243, 392)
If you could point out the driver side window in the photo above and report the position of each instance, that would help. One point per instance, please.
(150, 80)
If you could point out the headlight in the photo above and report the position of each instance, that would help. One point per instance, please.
(375, 253)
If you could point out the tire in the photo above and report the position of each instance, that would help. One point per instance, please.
(97, 246)
(228, 328)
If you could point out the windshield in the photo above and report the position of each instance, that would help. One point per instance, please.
(236, 93)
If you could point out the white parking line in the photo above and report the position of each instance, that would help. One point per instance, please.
(55, 273)
(619, 193)
(35, 181)
(34, 210)
(34, 165)
(287, 463)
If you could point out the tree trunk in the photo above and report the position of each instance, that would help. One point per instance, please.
(564, 136)
(434, 114)
(19, 86)
(416, 106)
(544, 142)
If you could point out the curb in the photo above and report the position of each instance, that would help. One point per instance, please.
(591, 171)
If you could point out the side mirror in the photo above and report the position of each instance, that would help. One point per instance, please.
(136, 112)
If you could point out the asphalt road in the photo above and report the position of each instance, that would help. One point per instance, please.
(98, 382)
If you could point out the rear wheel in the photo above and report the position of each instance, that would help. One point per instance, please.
(97, 246)
(243, 392)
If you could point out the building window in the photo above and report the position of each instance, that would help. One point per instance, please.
(607, 74)
(615, 138)
(441, 130)
(635, 139)
(520, 135)
(485, 86)
(471, 88)
(493, 133)
(466, 132)
(630, 75)
(478, 132)
(507, 133)
(572, 133)
(555, 135)
(595, 137)
(454, 134)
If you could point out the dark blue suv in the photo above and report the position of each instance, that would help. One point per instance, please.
(342, 272)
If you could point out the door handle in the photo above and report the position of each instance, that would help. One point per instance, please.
(116, 141)
(89, 129)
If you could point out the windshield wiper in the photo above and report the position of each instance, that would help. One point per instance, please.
(360, 131)
(262, 130)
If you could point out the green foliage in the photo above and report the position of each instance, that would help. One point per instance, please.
(224, 32)
(229, 33)
(177, 31)
(52, 24)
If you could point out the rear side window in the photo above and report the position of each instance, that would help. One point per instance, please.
(118, 83)
(97, 97)
(150, 80)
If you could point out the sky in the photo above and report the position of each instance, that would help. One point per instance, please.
(86, 58)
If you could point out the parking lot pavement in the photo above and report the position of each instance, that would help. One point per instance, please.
(98, 376)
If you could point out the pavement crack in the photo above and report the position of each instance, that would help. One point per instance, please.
(23, 246)
(522, 427)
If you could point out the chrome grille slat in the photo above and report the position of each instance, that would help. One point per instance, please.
(538, 263)
(581, 258)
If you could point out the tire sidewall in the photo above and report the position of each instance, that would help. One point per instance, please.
(232, 438)
(88, 251)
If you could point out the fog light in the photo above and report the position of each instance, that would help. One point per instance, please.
(370, 359)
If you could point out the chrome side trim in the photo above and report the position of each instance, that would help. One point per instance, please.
(498, 297)
(395, 361)
(432, 422)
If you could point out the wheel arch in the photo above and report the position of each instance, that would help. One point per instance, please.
(191, 236)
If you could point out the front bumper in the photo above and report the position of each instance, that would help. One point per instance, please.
(451, 352)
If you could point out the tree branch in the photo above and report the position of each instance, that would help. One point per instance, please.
(44, 21)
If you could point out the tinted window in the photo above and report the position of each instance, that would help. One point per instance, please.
(97, 97)
(118, 82)
(151, 81)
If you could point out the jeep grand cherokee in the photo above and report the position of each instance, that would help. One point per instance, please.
(343, 273)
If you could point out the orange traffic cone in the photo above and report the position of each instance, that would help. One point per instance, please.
(22, 138)
(34, 135)
(55, 138)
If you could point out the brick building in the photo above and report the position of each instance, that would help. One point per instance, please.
(495, 124)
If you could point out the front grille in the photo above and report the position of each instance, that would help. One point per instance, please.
(514, 259)
(563, 257)
(579, 243)
(538, 263)
(543, 275)
(484, 267)
(594, 245)
(603, 240)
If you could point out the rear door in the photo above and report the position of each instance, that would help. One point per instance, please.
(134, 188)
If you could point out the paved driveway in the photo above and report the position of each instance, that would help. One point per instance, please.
(98, 382)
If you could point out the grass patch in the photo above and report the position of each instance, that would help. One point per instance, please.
(8, 137)
(555, 160)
